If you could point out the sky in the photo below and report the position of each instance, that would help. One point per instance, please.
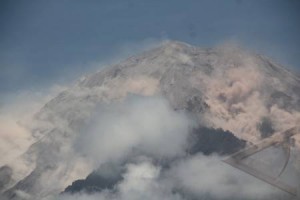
(48, 42)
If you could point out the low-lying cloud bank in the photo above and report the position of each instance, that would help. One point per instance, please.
(196, 177)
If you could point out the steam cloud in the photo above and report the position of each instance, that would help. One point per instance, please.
(197, 177)
(147, 124)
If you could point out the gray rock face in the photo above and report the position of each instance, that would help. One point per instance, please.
(224, 88)
(5, 176)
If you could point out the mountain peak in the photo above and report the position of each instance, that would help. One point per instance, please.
(221, 88)
(174, 44)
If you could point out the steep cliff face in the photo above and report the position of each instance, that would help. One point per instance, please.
(222, 88)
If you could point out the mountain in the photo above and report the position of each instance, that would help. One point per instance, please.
(213, 94)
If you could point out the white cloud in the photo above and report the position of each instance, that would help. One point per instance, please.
(197, 177)
(202, 175)
(141, 181)
(146, 124)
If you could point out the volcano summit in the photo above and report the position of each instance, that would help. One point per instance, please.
(154, 127)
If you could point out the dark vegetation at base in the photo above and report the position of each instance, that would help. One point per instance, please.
(93, 183)
(98, 180)
(209, 141)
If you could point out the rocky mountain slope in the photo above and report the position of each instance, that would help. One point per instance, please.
(245, 95)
